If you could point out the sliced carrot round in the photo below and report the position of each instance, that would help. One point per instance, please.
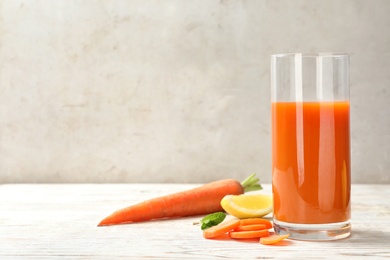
(249, 234)
(273, 239)
(251, 227)
(255, 221)
(221, 228)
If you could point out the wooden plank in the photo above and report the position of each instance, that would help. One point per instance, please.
(59, 220)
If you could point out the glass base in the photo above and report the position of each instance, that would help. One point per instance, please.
(314, 232)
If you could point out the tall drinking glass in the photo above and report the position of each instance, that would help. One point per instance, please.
(311, 145)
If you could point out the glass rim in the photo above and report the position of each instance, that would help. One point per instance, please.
(311, 54)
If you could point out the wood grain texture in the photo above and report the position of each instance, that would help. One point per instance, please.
(59, 221)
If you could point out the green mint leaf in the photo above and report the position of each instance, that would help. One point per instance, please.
(212, 220)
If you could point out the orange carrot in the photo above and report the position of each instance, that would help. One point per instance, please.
(221, 228)
(201, 200)
(273, 239)
(249, 234)
(250, 227)
(255, 221)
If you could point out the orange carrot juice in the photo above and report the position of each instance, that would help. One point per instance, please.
(311, 162)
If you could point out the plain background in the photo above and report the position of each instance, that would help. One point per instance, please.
(172, 90)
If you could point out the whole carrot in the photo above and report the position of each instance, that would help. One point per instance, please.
(201, 200)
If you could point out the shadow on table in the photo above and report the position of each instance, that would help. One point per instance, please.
(372, 237)
(368, 243)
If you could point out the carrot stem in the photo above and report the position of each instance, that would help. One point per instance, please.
(251, 183)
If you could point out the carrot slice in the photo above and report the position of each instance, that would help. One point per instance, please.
(249, 234)
(221, 228)
(273, 239)
(251, 227)
(255, 221)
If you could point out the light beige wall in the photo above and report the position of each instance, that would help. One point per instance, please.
(174, 91)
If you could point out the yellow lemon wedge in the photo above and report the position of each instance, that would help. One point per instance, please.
(247, 205)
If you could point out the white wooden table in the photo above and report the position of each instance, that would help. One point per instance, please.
(59, 221)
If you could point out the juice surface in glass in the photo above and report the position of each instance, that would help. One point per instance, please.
(311, 162)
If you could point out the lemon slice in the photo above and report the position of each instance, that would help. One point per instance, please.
(247, 205)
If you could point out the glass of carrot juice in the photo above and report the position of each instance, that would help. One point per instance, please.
(311, 179)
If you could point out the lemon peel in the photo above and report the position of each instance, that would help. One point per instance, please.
(247, 205)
